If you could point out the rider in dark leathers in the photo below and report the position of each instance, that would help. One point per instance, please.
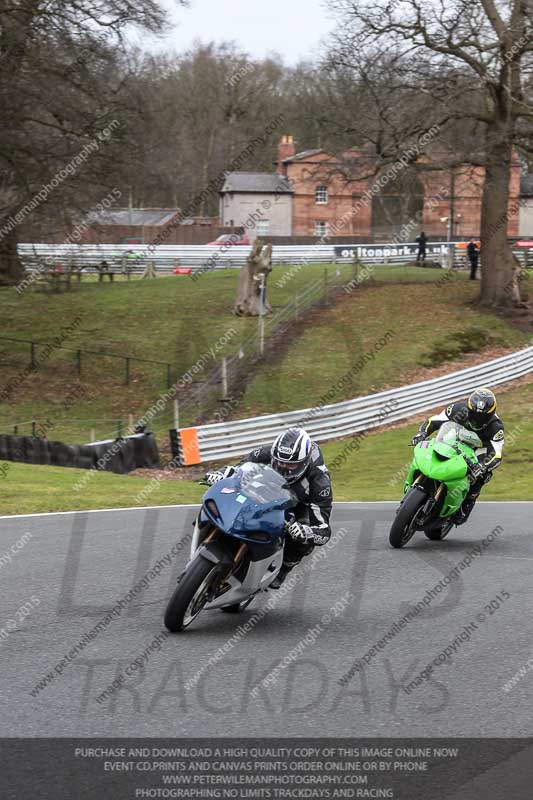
(478, 414)
(300, 460)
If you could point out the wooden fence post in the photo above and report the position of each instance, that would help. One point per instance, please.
(224, 379)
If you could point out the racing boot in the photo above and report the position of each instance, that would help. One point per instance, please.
(466, 509)
(286, 567)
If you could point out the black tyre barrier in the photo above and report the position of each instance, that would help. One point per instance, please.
(126, 454)
(107, 456)
(4, 447)
(86, 458)
(175, 447)
(145, 449)
(115, 455)
(17, 448)
(37, 451)
(62, 455)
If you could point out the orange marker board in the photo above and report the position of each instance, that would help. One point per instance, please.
(190, 447)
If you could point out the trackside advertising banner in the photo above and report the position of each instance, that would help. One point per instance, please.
(365, 251)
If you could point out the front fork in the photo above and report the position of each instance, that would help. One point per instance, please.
(431, 503)
(195, 543)
(204, 534)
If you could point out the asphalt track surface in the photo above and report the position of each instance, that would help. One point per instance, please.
(76, 567)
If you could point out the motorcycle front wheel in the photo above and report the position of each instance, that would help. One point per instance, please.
(191, 594)
(404, 526)
(237, 608)
(438, 534)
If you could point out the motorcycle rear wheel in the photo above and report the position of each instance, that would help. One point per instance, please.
(191, 594)
(404, 526)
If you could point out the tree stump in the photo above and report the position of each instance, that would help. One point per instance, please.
(149, 271)
(255, 272)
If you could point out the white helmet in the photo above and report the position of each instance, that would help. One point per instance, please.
(291, 453)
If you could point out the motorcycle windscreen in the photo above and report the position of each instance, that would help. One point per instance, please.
(451, 433)
(254, 498)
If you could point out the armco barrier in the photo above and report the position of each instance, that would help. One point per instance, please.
(227, 440)
(114, 455)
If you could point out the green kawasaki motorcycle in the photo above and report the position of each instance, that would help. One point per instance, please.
(437, 483)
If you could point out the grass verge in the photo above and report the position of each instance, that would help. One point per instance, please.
(369, 468)
(378, 337)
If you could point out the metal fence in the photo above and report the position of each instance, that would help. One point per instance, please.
(79, 357)
(133, 259)
(205, 258)
(227, 440)
(218, 385)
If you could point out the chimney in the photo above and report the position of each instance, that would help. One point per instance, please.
(286, 149)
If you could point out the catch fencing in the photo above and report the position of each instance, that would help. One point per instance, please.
(228, 440)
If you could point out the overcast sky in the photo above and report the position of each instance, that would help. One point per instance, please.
(292, 28)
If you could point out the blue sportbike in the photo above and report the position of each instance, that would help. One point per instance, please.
(237, 545)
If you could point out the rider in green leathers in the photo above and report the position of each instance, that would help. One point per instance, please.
(478, 414)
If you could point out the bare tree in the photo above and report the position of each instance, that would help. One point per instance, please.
(200, 111)
(459, 61)
(61, 133)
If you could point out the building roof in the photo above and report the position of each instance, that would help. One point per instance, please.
(303, 155)
(256, 182)
(134, 216)
(526, 186)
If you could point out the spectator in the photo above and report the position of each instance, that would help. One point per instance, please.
(421, 242)
(472, 251)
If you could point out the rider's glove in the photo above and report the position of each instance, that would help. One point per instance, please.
(420, 437)
(299, 532)
(218, 475)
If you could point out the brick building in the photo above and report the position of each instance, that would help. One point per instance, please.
(332, 197)
(526, 206)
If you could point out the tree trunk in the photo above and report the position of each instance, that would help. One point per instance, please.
(255, 271)
(11, 269)
(499, 285)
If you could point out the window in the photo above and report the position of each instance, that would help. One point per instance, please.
(321, 194)
(263, 227)
(321, 228)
